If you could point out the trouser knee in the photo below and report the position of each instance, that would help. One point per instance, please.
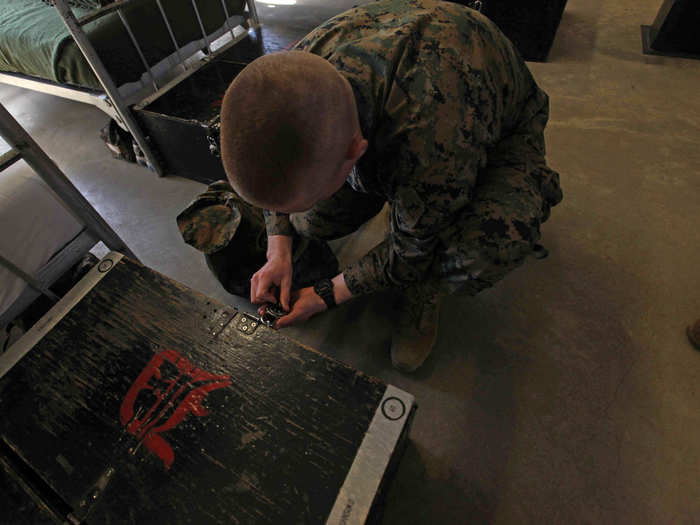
(478, 259)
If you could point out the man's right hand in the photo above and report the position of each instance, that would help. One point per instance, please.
(277, 273)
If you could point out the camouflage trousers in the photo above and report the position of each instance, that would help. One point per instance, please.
(482, 243)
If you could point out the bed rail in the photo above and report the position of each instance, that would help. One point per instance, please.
(85, 95)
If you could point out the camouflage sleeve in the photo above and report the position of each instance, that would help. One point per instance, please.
(277, 223)
(421, 207)
(436, 172)
(443, 87)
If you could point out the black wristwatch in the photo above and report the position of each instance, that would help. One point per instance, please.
(324, 289)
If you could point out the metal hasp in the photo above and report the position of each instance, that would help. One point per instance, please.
(105, 79)
(247, 324)
(674, 31)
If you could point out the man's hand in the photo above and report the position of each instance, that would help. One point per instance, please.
(276, 273)
(305, 303)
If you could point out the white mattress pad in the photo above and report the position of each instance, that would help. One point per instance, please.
(34, 225)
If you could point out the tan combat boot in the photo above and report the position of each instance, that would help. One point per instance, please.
(415, 329)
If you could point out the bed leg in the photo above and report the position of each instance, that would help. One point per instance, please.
(108, 84)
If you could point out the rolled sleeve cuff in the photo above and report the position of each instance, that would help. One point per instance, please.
(367, 275)
(359, 282)
(278, 223)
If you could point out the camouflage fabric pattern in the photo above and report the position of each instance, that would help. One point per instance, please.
(231, 234)
(210, 222)
(455, 127)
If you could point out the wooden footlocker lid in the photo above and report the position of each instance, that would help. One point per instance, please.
(138, 400)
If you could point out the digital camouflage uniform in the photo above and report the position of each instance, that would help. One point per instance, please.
(455, 127)
(455, 124)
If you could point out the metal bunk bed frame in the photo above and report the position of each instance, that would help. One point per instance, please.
(113, 101)
(95, 228)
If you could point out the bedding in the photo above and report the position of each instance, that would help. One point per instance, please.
(34, 40)
(34, 225)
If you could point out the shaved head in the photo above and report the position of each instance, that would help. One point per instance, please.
(287, 123)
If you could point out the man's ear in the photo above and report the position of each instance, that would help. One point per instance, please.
(357, 148)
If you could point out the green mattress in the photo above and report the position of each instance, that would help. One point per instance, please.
(34, 40)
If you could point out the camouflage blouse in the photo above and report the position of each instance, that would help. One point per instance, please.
(437, 85)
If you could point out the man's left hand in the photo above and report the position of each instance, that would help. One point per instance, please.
(305, 304)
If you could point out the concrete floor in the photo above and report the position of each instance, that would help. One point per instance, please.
(568, 393)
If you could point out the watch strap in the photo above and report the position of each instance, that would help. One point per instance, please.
(324, 289)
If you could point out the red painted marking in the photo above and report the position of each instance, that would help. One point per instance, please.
(190, 381)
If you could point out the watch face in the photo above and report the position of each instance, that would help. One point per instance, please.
(325, 290)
